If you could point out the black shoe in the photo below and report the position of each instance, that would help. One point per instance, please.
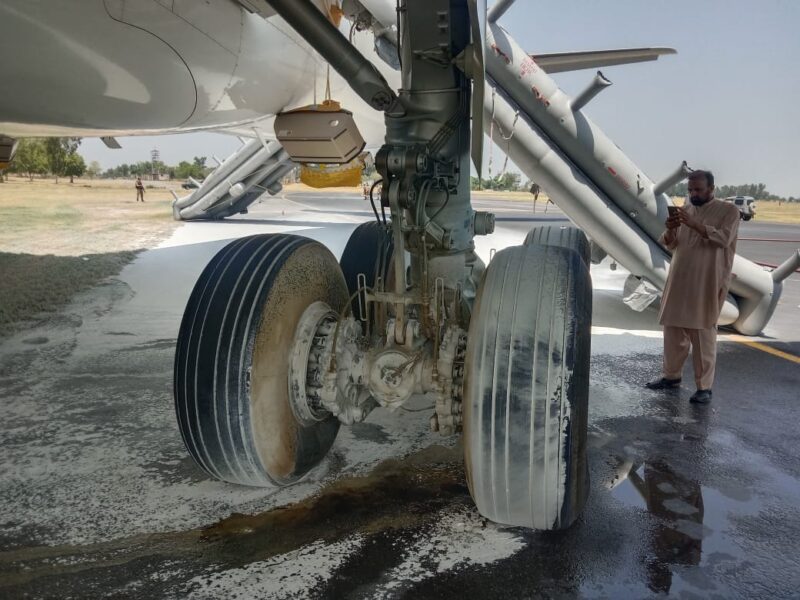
(663, 384)
(701, 397)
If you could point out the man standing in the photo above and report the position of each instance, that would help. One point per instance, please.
(702, 237)
(139, 189)
(535, 189)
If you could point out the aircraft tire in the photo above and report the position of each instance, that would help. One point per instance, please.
(231, 382)
(369, 250)
(526, 388)
(565, 236)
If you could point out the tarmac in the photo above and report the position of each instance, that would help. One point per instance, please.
(98, 497)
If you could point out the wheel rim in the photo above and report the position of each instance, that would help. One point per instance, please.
(307, 362)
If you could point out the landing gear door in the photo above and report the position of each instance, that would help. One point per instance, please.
(477, 15)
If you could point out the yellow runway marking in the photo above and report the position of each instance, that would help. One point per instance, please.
(765, 348)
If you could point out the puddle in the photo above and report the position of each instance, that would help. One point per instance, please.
(693, 522)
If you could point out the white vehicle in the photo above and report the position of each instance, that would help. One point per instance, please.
(745, 204)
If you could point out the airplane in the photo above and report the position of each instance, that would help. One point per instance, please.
(280, 343)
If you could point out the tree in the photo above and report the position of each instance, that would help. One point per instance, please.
(94, 169)
(58, 151)
(30, 159)
(681, 189)
(196, 168)
(505, 182)
(183, 170)
(75, 166)
(756, 190)
(508, 181)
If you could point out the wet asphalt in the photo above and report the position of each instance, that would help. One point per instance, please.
(98, 498)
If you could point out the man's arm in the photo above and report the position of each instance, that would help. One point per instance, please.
(669, 239)
(726, 233)
(721, 235)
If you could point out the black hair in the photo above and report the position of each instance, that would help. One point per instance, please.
(707, 175)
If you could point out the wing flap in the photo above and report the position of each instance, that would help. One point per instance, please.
(562, 62)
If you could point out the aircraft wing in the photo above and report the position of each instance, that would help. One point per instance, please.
(561, 62)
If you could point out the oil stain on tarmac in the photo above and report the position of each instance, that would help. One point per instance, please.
(397, 495)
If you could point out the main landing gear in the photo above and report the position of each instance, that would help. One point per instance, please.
(271, 360)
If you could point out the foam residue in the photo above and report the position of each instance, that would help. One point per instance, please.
(291, 575)
(460, 538)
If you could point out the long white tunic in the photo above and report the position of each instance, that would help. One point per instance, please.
(700, 270)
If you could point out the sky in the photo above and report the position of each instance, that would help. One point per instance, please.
(729, 101)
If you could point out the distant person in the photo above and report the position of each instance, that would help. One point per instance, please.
(535, 189)
(139, 190)
(702, 238)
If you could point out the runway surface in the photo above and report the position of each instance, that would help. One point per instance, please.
(98, 496)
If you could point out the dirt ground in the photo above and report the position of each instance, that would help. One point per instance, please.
(59, 239)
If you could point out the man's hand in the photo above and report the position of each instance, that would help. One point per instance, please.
(685, 218)
(673, 222)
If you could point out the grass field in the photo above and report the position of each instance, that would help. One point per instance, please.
(59, 239)
(86, 217)
(771, 211)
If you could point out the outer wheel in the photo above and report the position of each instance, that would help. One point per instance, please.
(526, 388)
(231, 364)
(369, 251)
(564, 236)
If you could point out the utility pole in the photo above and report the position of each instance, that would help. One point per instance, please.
(155, 156)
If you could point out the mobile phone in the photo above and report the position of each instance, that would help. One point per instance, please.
(673, 211)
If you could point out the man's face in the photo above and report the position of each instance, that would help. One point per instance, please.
(699, 191)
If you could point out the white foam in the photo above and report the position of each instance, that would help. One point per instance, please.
(291, 575)
(460, 538)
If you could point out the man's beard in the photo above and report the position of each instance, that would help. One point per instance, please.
(698, 201)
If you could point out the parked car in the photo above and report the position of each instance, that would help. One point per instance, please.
(191, 184)
(745, 204)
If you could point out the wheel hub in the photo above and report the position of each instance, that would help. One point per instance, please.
(391, 379)
(310, 357)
